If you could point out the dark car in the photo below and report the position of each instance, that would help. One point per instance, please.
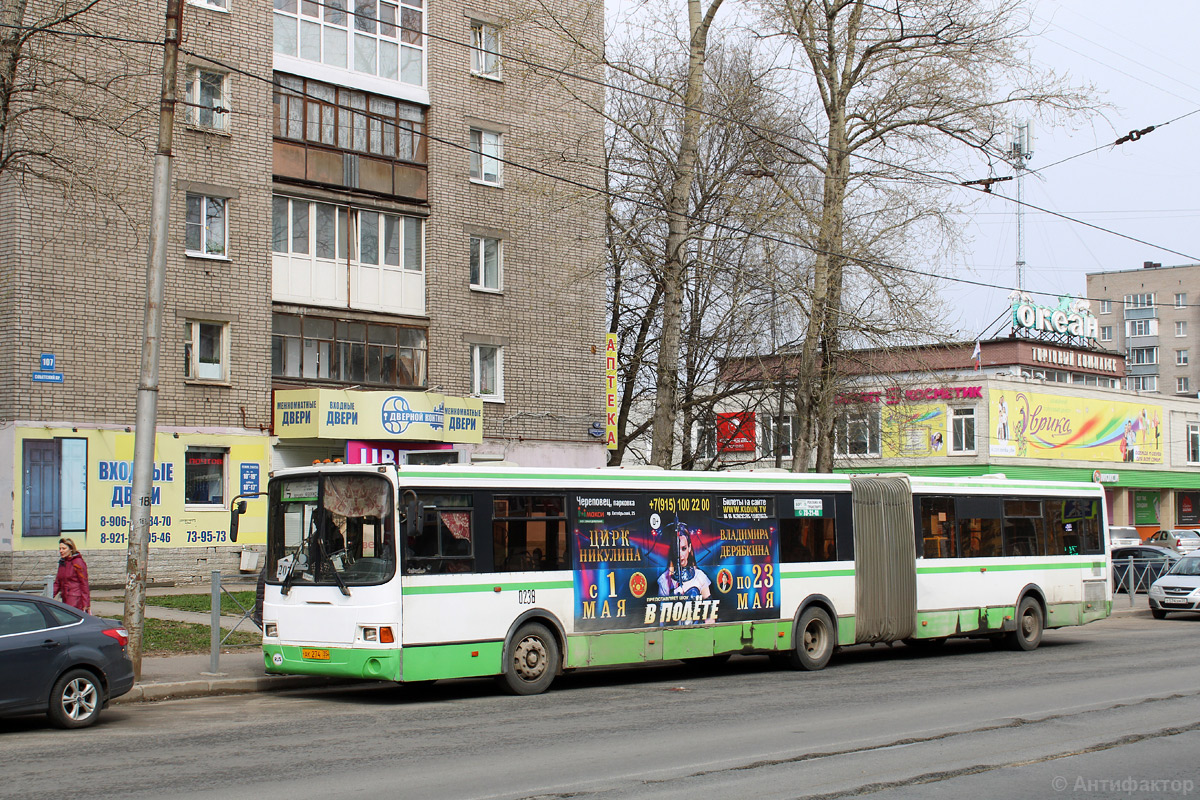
(1149, 562)
(60, 661)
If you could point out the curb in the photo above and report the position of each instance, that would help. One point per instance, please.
(179, 690)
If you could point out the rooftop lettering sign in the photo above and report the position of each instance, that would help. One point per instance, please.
(1072, 317)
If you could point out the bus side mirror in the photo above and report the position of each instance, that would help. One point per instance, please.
(238, 509)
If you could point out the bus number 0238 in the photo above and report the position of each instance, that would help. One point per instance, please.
(525, 597)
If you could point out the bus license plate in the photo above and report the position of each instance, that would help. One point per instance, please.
(319, 655)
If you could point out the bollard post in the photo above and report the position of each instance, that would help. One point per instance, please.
(1130, 584)
(48, 589)
(214, 660)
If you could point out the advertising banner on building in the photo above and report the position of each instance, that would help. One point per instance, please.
(1145, 508)
(1040, 425)
(349, 414)
(735, 432)
(913, 430)
(86, 491)
(645, 561)
(1187, 509)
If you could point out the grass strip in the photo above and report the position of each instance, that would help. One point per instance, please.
(203, 602)
(163, 637)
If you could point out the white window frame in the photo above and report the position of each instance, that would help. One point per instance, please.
(195, 370)
(212, 5)
(1142, 356)
(1106, 333)
(1143, 300)
(1181, 358)
(478, 264)
(1193, 443)
(487, 150)
(485, 59)
(1141, 327)
(1106, 306)
(1181, 385)
(208, 249)
(1181, 299)
(863, 416)
(219, 108)
(772, 428)
(958, 415)
(477, 351)
(1180, 328)
(338, 34)
(224, 496)
(1141, 383)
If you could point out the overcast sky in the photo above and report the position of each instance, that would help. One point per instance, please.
(1143, 56)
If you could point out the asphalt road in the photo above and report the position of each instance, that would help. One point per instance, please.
(1108, 710)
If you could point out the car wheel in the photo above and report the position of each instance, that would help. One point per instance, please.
(532, 661)
(76, 700)
(1028, 634)
(1158, 613)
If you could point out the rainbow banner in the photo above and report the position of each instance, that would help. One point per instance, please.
(1036, 425)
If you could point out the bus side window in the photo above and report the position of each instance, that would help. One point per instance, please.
(1023, 527)
(440, 540)
(937, 529)
(980, 533)
(807, 539)
(529, 533)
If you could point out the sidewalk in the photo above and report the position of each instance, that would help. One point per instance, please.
(240, 670)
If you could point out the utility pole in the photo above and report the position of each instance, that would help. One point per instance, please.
(1021, 152)
(138, 552)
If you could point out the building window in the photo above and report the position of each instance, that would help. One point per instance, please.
(1142, 327)
(1106, 306)
(1181, 385)
(206, 230)
(1180, 299)
(857, 433)
(1181, 327)
(205, 351)
(485, 49)
(204, 476)
(777, 434)
(1193, 443)
(348, 351)
(1142, 383)
(338, 118)
(1181, 358)
(331, 255)
(962, 434)
(1106, 333)
(1143, 355)
(487, 150)
(378, 37)
(218, 5)
(487, 372)
(54, 476)
(208, 99)
(1139, 300)
(486, 261)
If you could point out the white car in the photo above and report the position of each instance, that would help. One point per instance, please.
(1121, 536)
(1181, 541)
(1178, 589)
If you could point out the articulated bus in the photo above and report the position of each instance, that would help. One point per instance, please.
(425, 573)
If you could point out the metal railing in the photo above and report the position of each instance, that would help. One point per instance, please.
(1135, 575)
(217, 641)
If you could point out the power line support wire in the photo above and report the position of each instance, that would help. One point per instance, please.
(138, 552)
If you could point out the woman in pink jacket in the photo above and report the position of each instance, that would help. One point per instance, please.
(72, 579)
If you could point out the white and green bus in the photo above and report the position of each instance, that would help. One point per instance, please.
(424, 573)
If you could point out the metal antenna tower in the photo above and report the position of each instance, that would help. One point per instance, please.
(1020, 152)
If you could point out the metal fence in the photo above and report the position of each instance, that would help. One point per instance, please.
(217, 641)
(1133, 575)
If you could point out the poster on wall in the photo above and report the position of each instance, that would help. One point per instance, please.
(913, 430)
(649, 560)
(1187, 509)
(195, 476)
(1145, 508)
(1038, 425)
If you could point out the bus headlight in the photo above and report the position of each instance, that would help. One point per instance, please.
(271, 630)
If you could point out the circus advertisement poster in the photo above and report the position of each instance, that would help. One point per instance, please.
(1048, 426)
(667, 560)
(916, 430)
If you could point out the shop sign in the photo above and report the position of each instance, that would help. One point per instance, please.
(348, 414)
(610, 391)
(1106, 477)
(1188, 509)
(895, 394)
(735, 432)
(1071, 317)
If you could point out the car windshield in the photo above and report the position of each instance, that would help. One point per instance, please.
(331, 529)
(1186, 566)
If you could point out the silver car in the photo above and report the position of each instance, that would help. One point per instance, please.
(1123, 536)
(1181, 541)
(1179, 589)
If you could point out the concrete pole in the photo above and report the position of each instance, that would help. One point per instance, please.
(138, 552)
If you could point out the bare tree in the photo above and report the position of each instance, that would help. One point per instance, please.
(901, 83)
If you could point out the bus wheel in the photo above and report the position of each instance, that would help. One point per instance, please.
(1028, 634)
(814, 640)
(532, 662)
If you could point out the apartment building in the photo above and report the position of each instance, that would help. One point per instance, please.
(366, 226)
(1153, 316)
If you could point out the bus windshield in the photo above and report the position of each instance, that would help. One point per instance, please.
(331, 530)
